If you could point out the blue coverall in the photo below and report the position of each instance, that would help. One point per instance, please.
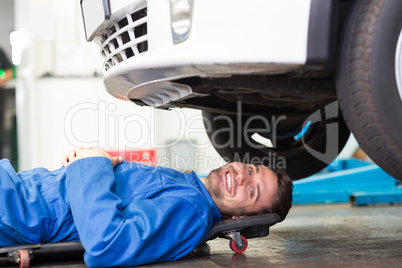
(130, 215)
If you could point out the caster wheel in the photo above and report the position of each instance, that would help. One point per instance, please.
(236, 248)
(24, 258)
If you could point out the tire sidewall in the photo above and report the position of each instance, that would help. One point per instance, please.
(299, 162)
(366, 81)
(382, 68)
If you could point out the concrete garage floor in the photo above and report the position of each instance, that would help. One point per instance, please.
(320, 236)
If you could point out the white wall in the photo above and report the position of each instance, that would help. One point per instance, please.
(53, 35)
(7, 24)
(43, 26)
(73, 112)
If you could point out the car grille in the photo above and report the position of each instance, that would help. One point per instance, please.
(126, 38)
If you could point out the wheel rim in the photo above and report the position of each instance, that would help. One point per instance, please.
(290, 152)
(288, 146)
(398, 65)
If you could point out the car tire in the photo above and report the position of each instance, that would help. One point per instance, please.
(300, 157)
(369, 80)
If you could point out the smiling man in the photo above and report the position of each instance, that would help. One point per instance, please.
(128, 214)
(239, 189)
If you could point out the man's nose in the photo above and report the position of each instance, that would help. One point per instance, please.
(241, 177)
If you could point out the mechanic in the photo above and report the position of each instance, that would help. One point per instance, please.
(126, 213)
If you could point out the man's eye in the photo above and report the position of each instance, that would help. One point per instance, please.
(250, 171)
(251, 192)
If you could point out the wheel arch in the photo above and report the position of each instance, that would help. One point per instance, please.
(326, 20)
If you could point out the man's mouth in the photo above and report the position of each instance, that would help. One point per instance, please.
(228, 182)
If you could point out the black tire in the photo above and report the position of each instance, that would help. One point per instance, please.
(367, 81)
(303, 157)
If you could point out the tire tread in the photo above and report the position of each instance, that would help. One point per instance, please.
(357, 102)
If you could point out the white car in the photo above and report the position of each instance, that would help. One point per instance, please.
(267, 74)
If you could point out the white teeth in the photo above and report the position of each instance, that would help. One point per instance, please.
(229, 181)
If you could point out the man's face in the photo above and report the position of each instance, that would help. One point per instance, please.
(239, 189)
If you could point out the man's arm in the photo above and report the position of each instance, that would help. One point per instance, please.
(146, 231)
(81, 153)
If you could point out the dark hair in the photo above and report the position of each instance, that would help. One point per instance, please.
(283, 198)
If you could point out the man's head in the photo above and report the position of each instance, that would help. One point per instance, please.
(241, 189)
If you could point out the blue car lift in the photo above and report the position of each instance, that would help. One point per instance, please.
(360, 182)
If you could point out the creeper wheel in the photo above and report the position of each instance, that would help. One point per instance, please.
(236, 248)
(23, 258)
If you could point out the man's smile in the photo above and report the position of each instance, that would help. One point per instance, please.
(229, 182)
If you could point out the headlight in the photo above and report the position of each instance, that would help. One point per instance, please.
(181, 12)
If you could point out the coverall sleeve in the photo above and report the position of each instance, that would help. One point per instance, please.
(152, 230)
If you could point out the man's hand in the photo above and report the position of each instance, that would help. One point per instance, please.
(80, 153)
